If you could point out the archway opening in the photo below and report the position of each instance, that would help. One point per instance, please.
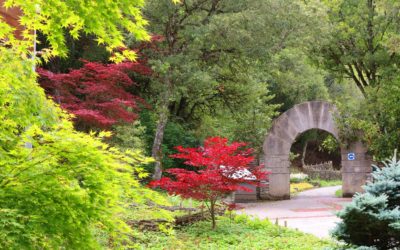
(315, 161)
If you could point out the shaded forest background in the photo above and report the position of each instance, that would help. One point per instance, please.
(239, 67)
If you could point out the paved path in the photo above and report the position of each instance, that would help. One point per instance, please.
(311, 211)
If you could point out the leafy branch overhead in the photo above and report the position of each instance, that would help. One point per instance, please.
(106, 20)
(97, 94)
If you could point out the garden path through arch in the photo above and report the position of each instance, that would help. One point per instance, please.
(356, 163)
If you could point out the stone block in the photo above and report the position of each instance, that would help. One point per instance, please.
(356, 169)
(275, 146)
(356, 147)
(353, 182)
(362, 166)
(358, 156)
(276, 162)
(279, 187)
(243, 196)
(277, 170)
(298, 121)
(315, 112)
(284, 130)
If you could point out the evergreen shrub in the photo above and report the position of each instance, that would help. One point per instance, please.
(372, 219)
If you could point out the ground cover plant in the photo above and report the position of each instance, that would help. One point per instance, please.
(301, 186)
(298, 176)
(235, 232)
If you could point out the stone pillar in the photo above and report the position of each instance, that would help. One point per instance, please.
(356, 168)
(278, 180)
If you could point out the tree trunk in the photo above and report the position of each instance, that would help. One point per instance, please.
(156, 151)
(212, 212)
(370, 42)
(303, 156)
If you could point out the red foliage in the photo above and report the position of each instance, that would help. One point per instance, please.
(96, 93)
(233, 206)
(222, 168)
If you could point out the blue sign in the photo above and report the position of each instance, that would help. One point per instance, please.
(351, 156)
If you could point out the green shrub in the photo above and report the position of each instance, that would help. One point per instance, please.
(373, 218)
(327, 183)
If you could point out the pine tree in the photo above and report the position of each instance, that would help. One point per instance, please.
(373, 218)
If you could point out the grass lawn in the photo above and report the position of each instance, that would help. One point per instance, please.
(240, 232)
(297, 186)
(326, 183)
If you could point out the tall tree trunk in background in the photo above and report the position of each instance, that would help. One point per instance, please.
(163, 116)
(370, 42)
(156, 151)
(303, 156)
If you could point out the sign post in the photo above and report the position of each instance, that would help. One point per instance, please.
(351, 156)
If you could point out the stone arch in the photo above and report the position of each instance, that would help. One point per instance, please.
(285, 129)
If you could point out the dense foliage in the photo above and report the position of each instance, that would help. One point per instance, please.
(221, 169)
(57, 186)
(361, 44)
(357, 45)
(373, 218)
(378, 118)
(60, 188)
(227, 74)
(105, 20)
(96, 94)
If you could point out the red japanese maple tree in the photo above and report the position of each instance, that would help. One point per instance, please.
(222, 168)
(97, 94)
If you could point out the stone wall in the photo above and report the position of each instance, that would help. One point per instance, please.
(324, 171)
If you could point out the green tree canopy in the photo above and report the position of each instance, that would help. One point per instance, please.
(360, 42)
(106, 20)
(217, 61)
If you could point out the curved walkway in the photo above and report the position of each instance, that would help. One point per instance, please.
(312, 211)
